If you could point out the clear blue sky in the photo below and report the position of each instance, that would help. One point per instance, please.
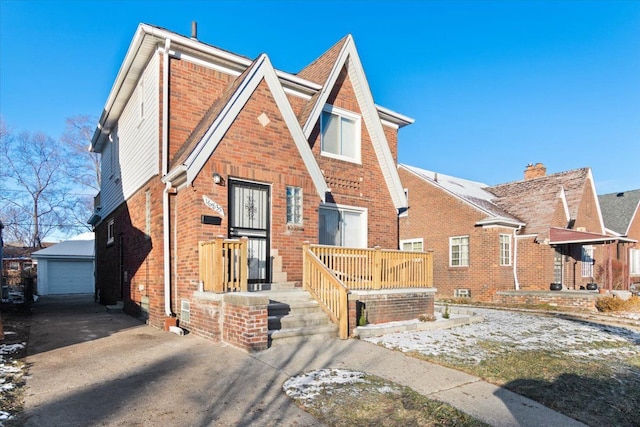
(492, 85)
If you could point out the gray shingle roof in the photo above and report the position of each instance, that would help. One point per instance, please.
(618, 209)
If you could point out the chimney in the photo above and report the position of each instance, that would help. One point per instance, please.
(534, 171)
(194, 30)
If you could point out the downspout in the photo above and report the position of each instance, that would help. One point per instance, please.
(515, 259)
(165, 194)
(167, 257)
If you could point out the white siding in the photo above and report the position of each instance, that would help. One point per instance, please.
(137, 143)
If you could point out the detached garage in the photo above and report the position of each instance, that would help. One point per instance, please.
(67, 267)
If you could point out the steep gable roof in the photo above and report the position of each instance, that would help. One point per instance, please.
(534, 200)
(619, 209)
(222, 114)
(346, 54)
(319, 72)
(471, 192)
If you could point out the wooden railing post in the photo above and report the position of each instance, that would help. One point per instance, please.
(244, 264)
(218, 265)
(305, 267)
(377, 268)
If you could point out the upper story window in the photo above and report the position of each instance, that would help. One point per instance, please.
(412, 245)
(294, 205)
(110, 231)
(340, 134)
(459, 251)
(505, 249)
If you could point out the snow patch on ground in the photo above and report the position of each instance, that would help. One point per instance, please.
(307, 386)
(514, 330)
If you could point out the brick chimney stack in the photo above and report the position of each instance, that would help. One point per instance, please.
(534, 171)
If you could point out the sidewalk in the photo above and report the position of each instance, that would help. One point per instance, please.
(90, 367)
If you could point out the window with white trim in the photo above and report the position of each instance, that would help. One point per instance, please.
(459, 251)
(342, 226)
(634, 261)
(505, 249)
(587, 261)
(110, 231)
(412, 245)
(294, 205)
(340, 134)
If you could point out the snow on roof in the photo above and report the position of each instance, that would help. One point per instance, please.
(81, 246)
(472, 192)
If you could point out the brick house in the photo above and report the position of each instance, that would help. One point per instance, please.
(621, 215)
(522, 235)
(198, 142)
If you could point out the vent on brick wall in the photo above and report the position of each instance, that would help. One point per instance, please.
(462, 293)
(185, 311)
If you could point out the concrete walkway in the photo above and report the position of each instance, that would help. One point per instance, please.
(90, 367)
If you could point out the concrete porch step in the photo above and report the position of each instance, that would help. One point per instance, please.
(293, 335)
(298, 321)
(276, 286)
(294, 315)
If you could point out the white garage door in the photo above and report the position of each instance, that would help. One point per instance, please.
(70, 277)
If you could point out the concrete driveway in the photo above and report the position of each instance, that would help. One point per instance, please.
(88, 367)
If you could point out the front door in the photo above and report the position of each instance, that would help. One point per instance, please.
(249, 207)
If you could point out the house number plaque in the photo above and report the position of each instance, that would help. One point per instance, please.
(213, 205)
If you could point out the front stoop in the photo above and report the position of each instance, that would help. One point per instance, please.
(295, 316)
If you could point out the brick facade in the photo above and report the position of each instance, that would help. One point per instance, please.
(435, 215)
(131, 268)
(389, 306)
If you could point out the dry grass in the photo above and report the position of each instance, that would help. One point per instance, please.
(596, 392)
(377, 402)
(611, 303)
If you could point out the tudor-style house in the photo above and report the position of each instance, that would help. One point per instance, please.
(523, 235)
(621, 215)
(219, 171)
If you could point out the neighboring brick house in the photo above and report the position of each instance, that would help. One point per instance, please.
(198, 142)
(17, 264)
(621, 215)
(521, 235)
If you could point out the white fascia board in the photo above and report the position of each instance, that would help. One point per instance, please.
(563, 197)
(326, 89)
(400, 120)
(139, 53)
(596, 201)
(372, 121)
(500, 222)
(207, 145)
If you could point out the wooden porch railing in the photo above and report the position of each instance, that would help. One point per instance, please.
(373, 269)
(327, 289)
(223, 265)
